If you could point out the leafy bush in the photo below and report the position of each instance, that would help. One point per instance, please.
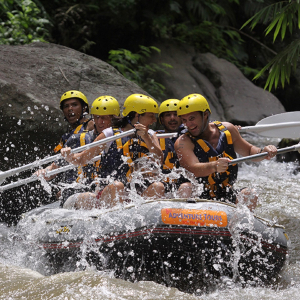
(134, 67)
(22, 22)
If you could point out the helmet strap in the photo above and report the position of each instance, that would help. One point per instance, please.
(96, 129)
(129, 121)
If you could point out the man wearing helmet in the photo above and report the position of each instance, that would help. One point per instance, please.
(207, 147)
(75, 107)
(172, 124)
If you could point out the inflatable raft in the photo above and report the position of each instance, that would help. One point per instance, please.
(185, 243)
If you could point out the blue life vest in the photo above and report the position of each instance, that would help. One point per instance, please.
(86, 172)
(217, 185)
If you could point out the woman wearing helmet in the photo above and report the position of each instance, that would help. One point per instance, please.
(139, 112)
(207, 148)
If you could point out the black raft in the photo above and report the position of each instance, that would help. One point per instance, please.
(190, 244)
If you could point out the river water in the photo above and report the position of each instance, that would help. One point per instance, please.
(23, 271)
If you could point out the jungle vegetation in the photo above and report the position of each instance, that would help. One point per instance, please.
(261, 37)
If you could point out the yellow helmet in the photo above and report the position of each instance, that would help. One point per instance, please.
(168, 105)
(74, 94)
(105, 105)
(191, 103)
(140, 104)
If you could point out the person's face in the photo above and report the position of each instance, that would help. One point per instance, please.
(170, 121)
(102, 122)
(72, 110)
(193, 122)
(147, 119)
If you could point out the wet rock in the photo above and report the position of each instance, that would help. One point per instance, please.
(293, 156)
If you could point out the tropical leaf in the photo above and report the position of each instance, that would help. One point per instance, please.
(280, 14)
(281, 66)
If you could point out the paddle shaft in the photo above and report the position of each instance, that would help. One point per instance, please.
(68, 167)
(58, 156)
(65, 168)
(255, 156)
(48, 173)
(262, 128)
(46, 160)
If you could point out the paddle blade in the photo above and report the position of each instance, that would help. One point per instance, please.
(288, 125)
(293, 116)
(285, 125)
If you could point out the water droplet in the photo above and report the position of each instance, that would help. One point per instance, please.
(130, 269)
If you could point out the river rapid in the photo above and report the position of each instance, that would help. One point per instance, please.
(23, 272)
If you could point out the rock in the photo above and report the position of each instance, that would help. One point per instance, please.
(232, 97)
(293, 156)
(32, 79)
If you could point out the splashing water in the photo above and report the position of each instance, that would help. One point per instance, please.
(26, 274)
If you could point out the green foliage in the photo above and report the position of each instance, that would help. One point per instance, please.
(22, 22)
(134, 67)
(282, 65)
(280, 16)
(205, 25)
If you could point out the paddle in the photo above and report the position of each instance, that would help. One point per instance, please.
(285, 125)
(58, 156)
(255, 156)
(38, 163)
(48, 173)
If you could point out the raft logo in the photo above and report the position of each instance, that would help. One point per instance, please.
(63, 229)
(194, 217)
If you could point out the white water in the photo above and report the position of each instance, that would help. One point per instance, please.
(22, 266)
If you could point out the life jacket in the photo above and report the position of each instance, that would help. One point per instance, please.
(75, 141)
(86, 172)
(170, 157)
(217, 185)
(133, 149)
(167, 146)
(111, 163)
(72, 140)
(80, 128)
